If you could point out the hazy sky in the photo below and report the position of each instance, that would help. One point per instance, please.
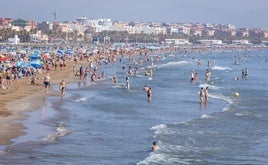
(241, 13)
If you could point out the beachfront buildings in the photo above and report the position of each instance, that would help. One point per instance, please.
(85, 29)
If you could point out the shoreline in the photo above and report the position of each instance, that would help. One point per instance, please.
(25, 97)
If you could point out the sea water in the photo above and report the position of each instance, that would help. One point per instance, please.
(105, 123)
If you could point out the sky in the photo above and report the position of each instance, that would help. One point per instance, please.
(241, 13)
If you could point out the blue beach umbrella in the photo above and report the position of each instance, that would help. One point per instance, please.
(35, 56)
(21, 64)
(35, 64)
(37, 52)
(69, 52)
(60, 52)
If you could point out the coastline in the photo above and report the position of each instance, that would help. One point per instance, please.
(24, 97)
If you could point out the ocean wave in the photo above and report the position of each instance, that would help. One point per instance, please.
(153, 159)
(176, 63)
(216, 67)
(207, 116)
(226, 109)
(81, 99)
(161, 129)
(210, 86)
(60, 131)
(160, 158)
(247, 114)
(219, 96)
(119, 86)
(242, 114)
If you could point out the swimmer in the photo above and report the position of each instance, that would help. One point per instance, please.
(115, 80)
(155, 146)
(127, 83)
(145, 88)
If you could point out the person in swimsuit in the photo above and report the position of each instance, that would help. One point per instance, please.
(155, 146)
(47, 81)
(149, 94)
(62, 88)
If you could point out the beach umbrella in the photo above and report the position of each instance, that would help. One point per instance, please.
(44, 56)
(21, 64)
(35, 56)
(35, 64)
(22, 51)
(3, 58)
(69, 51)
(38, 52)
(60, 52)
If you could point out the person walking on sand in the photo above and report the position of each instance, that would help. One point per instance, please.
(47, 82)
(62, 88)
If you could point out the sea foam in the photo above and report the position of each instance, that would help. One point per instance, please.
(60, 131)
(216, 67)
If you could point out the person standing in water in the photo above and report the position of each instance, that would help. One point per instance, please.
(62, 88)
(47, 82)
(207, 75)
(149, 94)
(201, 95)
(206, 95)
(127, 83)
(115, 79)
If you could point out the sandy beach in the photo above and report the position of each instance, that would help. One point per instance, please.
(25, 97)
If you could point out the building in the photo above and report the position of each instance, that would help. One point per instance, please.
(210, 42)
(5, 21)
(176, 41)
(14, 40)
(240, 42)
(44, 26)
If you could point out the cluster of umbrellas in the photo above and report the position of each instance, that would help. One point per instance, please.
(36, 58)
(36, 61)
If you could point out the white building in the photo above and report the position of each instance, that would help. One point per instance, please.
(15, 40)
(240, 42)
(210, 42)
(176, 41)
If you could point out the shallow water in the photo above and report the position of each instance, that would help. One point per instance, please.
(102, 123)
